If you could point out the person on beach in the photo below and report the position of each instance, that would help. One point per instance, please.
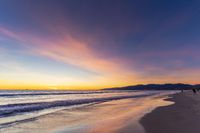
(194, 90)
(182, 90)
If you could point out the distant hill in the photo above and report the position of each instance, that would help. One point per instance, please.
(178, 86)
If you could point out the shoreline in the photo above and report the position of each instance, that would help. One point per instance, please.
(181, 117)
(157, 102)
(116, 116)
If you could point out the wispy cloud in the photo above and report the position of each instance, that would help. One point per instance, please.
(127, 46)
(72, 51)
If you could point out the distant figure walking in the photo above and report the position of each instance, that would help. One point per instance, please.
(194, 90)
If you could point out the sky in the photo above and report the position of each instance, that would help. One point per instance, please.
(93, 44)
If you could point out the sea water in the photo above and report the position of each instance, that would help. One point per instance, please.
(20, 106)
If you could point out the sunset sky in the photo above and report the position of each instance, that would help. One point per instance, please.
(92, 44)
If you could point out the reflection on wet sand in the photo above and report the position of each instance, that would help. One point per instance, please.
(123, 116)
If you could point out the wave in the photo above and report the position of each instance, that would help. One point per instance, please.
(14, 109)
(36, 93)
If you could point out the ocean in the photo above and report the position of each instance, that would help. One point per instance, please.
(17, 107)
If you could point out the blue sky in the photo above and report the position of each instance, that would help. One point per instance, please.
(98, 43)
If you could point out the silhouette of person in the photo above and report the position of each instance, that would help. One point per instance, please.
(182, 90)
(194, 90)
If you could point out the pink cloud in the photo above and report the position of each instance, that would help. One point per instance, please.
(70, 50)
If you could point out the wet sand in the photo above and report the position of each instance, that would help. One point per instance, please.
(181, 117)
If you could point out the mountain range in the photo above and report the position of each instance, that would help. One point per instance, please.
(178, 86)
